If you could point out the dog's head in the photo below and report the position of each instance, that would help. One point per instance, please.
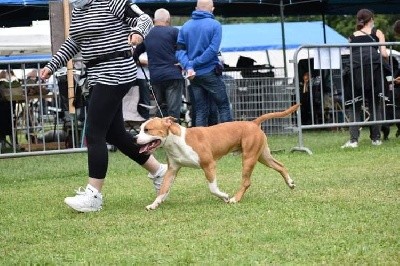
(154, 132)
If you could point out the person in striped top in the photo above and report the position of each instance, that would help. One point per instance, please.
(103, 31)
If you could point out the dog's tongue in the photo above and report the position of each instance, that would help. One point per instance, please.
(144, 148)
(147, 148)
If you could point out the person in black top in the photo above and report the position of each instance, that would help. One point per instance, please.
(361, 95)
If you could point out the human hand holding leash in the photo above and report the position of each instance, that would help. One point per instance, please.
(135, 39)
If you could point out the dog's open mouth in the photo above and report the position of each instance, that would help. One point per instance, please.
(149, 147)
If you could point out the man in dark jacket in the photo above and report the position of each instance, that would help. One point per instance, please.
(166, 75)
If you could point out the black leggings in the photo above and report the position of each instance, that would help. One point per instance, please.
(105, 123)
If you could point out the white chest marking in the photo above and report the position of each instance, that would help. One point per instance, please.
(179, 152)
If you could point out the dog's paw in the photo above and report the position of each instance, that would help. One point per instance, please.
(232, 200)
(151, 207)
(225, 198)
(290, 183)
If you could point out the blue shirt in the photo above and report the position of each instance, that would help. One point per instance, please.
(198, 43)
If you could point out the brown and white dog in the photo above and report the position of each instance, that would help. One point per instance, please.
(201, 147)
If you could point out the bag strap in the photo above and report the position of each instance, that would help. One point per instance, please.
(369, 35)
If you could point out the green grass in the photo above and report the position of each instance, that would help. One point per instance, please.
(344, 210)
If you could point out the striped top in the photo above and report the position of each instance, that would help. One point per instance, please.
(97, 29)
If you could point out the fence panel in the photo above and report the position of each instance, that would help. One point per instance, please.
(341, 86)
(253, 97)
(34, 113)
(35, 119)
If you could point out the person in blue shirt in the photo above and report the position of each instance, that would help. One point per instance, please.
(198, 46)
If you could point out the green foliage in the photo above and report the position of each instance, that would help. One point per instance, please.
(344, 210)
(345, 25)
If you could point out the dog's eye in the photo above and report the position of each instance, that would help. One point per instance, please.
(146, 130)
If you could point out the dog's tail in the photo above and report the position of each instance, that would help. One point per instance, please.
(285, 113)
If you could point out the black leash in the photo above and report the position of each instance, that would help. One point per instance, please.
(151, 89)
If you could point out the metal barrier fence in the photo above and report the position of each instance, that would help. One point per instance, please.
(34, 116)
(253, 97)
(340, 86)
(35, 120)
(256, 90)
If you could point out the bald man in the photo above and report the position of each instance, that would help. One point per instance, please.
(198, 46)
(205, 5)
(166, 75)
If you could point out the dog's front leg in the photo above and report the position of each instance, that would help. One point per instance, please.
(164, 189)
(215, 191)
(212, 183)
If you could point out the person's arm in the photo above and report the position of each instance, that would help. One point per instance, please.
(141, 23)
(181, 53)
(209, 54)
(184, 62)
(382, 48)
(66, 52)
(140, 49)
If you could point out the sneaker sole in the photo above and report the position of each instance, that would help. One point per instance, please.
(349, 147)
(78, 209)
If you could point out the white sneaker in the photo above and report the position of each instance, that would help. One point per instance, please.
(376, 142)
(85, 200)
(350, 144)
(158, 177)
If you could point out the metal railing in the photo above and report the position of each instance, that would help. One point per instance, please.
(35, 119)
(335, 82)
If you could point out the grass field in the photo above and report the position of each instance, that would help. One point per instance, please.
(344, 210)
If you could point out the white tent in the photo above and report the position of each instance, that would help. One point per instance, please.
(34, 39)
(263, 41)
(260, 41)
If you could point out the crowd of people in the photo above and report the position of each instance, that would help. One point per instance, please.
(369, 88)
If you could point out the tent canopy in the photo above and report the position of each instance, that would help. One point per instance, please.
(235, 37)
(22, 12)
(29, 40)
(268, 36)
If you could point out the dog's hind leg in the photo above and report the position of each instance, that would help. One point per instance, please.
(210, 172)
(267, 159)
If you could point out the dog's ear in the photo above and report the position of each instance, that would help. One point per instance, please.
(168, 121)
(173, 127)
